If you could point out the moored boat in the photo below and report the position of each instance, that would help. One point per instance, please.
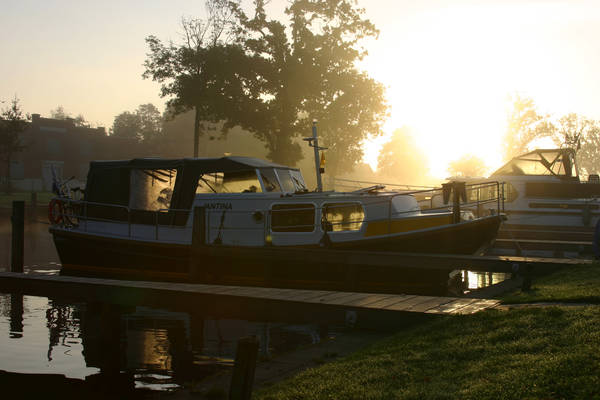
(137, 219)
(546, 203)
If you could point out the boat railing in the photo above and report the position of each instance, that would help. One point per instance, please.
(352, 184)
(75, 213)
(481, 199)
(339, 215)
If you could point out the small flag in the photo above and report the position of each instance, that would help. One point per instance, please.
(322, 163)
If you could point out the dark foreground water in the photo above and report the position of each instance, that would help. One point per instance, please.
(146, 348)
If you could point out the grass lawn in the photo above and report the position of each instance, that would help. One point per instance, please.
(573, 284)
(43, 198)
(536, 353)
(531, 353)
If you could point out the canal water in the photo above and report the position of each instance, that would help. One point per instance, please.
(148, 349)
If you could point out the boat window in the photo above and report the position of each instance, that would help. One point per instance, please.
(270, 180)
(229, 182)
(482, 192)
(510, 193)
(541, 162)
(343, 217)
(293, 218)
(291, 180)
(298, 181)
(287, 184)
(151, 189)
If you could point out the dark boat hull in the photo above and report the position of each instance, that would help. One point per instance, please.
(97, 255)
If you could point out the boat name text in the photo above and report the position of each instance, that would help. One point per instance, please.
(218, 206)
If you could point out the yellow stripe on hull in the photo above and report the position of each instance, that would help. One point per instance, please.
(378, 228)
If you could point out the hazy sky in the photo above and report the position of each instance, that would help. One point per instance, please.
(448, 65)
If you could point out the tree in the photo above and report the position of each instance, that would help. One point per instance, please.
(12, 123)
(467, 165)
(524, 126)
(127, 125)
(307, 71)
(150, 121)
(195, 74)
(588, 156)
(144, 124)
(583, 135)
(60, 113)
(401, 160)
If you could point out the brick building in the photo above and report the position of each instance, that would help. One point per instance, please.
(60, 145)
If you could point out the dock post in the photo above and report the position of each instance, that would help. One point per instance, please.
(198, 240)
(18, 236)
(33, 207)
(16, 315)
(242, 377)
(458, 191)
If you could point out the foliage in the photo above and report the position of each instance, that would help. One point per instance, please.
(582, 134)
(401, 159)
(12, 123)
(205, 72)
(126, 125)
(60, 113)
(572, 284)
(467, 165)
(305, 71)
(571, 130)
(521, 354)
(150, 122)
(524, 126)
(273, 79)
(144, 124)
(178, 133)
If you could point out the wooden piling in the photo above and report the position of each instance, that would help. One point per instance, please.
(16, 315)
(458, 192)
(243, 370)
(198, 240)
(18, 236)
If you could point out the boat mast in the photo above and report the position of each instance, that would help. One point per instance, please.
(314, 143)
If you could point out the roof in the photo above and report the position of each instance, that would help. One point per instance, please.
(233, 163)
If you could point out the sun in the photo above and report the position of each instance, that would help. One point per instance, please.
(451, 73)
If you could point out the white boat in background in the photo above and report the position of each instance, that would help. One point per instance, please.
(550, 210)
(542, 189)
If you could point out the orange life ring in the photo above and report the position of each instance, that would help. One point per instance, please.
(55, 211)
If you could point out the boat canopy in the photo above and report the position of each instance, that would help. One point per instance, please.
(555, 162)
(156, 184)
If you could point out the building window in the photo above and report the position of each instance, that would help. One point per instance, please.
(53, 147)
(339, 217)
(293, 218)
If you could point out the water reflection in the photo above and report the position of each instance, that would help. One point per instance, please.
(135, 347)
(476, 280)
(40, 253)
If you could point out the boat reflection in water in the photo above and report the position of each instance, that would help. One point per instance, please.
(111, 348)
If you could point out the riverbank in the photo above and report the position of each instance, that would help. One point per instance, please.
(541, 352)
(42, 198)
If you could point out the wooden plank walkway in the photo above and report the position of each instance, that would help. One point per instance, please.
(134, 292)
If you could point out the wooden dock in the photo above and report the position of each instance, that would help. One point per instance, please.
(272, 302)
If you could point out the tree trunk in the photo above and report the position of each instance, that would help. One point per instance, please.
(196, 131)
